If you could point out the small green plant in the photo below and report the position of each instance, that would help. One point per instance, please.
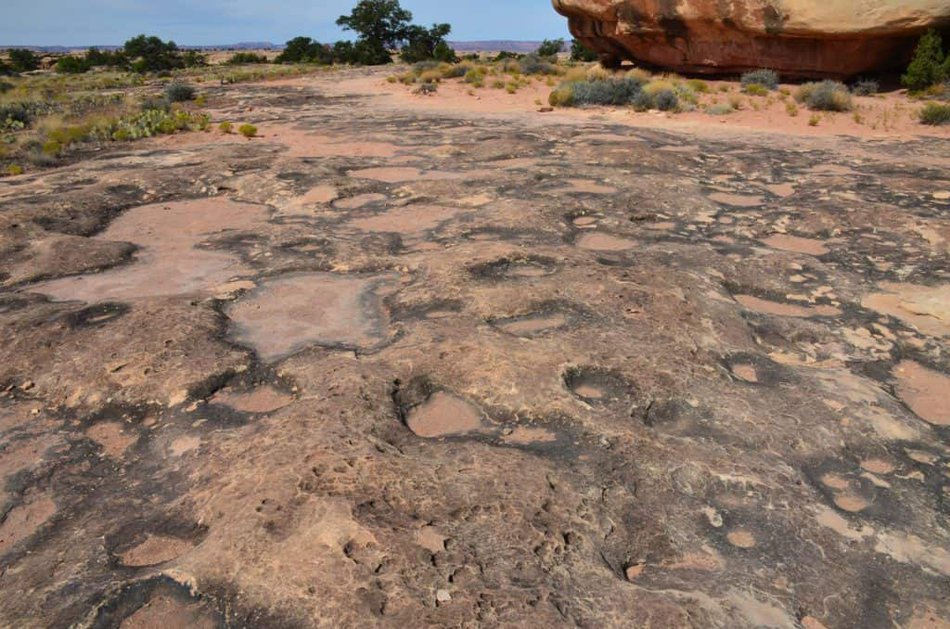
(241, 58)
(427, 88)
(550, 47)
(825, 96)
(791, 108)
(928, 66)
(179, 92)
(719, 109)
(14, 169)
(248, 131)
(226, 127)
(698, 85)
(755, 89)
(201, 100)
(580, 52)
(814, 120)
(935, 114)
(602, 92)
(865, 87)
(766, 78)
(665, 100)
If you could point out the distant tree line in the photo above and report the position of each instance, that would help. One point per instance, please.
(141, 54)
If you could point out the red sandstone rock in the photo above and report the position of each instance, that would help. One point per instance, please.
(803, 38)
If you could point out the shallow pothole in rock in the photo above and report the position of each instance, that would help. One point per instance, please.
(526, 267)
(157, 603)
(445, 415)
(264, 399)
(784, 309)
(288, 314)
(752, 368)
(597, 386)
(150, 543)
(599, 241)
(796, 244)
(925, 391)
(168, 261)
(533, 325)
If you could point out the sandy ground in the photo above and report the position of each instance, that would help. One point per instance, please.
(451, 361)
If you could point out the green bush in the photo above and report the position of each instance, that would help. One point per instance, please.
(226, 127)
(533, 64)
(766, 78)
(666, 100)
(755, 89)
(580, 52)
(550, 48)
(23, 60)
(248, 131)
(719, 109)
(306, 50)
(242, 58)
(825, 96)
(608, 92)
(427, 43)
(935, 114)
(151, 54)
(928, 66)
(179, 92)
(865, 87)
(72, 65)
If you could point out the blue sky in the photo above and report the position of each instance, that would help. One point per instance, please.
(199, 22)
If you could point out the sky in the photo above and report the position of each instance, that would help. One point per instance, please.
(209, 22)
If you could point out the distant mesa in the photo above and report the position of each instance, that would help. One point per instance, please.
(797, 38)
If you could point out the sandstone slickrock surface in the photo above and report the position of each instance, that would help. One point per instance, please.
(531, 371)
(804, 38)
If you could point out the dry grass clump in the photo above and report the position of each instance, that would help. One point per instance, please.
(935, 114)
(825, 96)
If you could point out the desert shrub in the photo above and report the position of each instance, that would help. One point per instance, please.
(504, 55)
(151, 54)
(150, 123)
(719, 109)
(791, 108)
(562, 96)
(609, 92)
(928, 66)
(865, 87)
(427, 43)
(426, 88)
(643, 101)
(72, 65)
(755, 89)
(532, 64)
(476, 76)
(550, 48)
(226, 127)
(159, 103)
(598, 73)
(455, 70)
(16, 116)
(698, 85)
(248, 131)
(306, 50)
(766, 78)
(14, 169)
(685, 94)
(825, 96)
(640, 74)
(241, 58)
(580, 52)
(666, 100)
(935, 114)
(814, 120)
(23, 60)
(179, 92)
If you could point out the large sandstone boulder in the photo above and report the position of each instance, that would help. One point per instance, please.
(804, 38)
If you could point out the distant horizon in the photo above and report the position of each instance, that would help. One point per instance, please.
(50, 23)
(262, 43)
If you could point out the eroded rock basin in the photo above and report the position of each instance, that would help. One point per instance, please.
(288, 314)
